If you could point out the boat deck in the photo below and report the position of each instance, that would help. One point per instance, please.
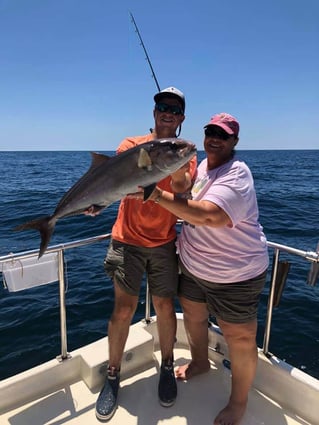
(64, 392)
(199, 400)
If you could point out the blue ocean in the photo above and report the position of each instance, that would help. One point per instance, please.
(32, 183)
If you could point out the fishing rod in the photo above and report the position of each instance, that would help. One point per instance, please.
(145, 51)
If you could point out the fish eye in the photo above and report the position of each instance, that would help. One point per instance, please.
(174, 146)
(170, 144)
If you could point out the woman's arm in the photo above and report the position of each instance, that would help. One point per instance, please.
(198, 213)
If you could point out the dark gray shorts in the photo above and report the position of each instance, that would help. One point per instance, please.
(128, 263)
(232, 302)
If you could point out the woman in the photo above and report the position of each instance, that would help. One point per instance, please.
(223, 260)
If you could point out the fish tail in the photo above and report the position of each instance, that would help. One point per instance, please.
(45, 226)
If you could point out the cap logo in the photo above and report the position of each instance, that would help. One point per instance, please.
(225, 118)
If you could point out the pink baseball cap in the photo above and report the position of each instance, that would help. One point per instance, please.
(226, 121)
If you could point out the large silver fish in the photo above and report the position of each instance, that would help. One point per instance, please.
(111, 178)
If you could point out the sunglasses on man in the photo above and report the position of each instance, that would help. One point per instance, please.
(173, 109)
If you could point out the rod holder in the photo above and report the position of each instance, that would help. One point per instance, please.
(313, 274)
(280, 282)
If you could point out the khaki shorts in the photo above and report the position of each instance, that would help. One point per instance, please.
(232, 302)
(128, 264)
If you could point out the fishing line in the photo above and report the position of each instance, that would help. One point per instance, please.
(145, 51)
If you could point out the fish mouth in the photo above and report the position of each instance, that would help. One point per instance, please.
(189, 148)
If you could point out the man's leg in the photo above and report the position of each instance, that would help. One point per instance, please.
(241, 341)
(166, 325)
(162, 273)
(118, 329)
(196, 326)
(119, 324)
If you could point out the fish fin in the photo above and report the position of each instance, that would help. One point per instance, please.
(97, 160)
(94, 210)
(148, 190)
(144, 160)
(45, 226)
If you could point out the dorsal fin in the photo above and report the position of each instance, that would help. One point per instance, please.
(144, 160)
(97, 160)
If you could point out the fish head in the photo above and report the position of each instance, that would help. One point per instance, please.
(168, 155)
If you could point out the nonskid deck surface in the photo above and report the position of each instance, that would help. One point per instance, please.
(198, 402)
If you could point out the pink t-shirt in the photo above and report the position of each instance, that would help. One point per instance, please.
(225, 254)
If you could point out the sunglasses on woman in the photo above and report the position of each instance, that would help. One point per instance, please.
(217, 133)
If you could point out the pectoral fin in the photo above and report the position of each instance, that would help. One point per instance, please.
(144, 160)
(148, 190)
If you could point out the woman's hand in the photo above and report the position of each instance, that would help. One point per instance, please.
(140, 194)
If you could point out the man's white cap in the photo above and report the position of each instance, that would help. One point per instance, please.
(171, 92)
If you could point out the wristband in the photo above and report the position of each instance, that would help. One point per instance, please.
(158, 197)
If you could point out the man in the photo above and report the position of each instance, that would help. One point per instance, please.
(144, 235)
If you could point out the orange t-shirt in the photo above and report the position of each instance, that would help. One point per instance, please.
(145, 224)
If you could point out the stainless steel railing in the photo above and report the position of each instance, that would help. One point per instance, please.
(61, 273)
(311, 256)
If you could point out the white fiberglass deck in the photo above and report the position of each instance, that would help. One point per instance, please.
(199, 400)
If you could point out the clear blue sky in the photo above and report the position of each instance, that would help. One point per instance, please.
(73, 75)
